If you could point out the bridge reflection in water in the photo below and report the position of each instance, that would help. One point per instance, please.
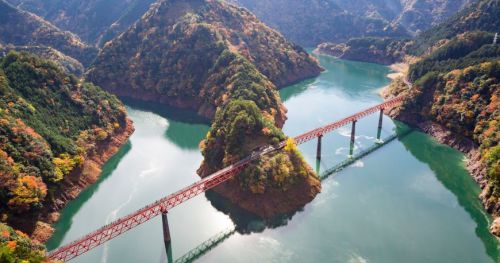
(246, 223)
(164, 205)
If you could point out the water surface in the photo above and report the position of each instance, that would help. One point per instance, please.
(411, 201)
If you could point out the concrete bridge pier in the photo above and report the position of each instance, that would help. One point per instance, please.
(318, 149)
(353, 139)
(318, 167)
(167, 240)
(379, 130)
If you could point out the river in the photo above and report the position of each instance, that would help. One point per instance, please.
(410, 201)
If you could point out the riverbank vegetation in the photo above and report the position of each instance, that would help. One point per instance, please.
(50, 123)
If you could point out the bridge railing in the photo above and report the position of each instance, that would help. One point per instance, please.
(163, 205)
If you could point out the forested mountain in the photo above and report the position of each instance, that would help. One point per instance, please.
(310, 22)
(480, 16)
(21, 30)
(369, 49)
(94, 21)
(219, 60)
(170, 54)
(55, 133)
(67, 63)
(313, 22)
(456, 93)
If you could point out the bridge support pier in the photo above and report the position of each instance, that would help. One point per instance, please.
(167, 240)
(318, 149)
(379, 130)
(353, 139)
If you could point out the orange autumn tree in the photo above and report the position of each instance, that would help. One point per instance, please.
(29, 192)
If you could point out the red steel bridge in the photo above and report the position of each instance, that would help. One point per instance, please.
(162, 206)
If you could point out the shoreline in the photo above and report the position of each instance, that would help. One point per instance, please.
(475, 167)
(77, 182)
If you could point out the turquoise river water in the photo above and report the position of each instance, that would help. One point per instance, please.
(410, 201)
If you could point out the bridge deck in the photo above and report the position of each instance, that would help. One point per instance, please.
(144, 214)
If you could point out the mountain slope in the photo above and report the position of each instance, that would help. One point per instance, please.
(55, 133)
(482, 15)
(221, 61)
(21, 28)
(310, 22)
(313, 22)
(171, 53)
(91, 20)
(418, 15)
(456, 91)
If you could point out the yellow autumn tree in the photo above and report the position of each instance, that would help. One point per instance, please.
(30, 191)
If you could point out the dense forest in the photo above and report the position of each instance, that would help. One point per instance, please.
(16, 246)
(312, 22)
(477, 16)
(214, 58)
(456, 85)
(94, 21)
(51, 125)
(369, 49)
(24, 31)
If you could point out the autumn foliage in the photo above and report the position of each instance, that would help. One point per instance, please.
(50, 122)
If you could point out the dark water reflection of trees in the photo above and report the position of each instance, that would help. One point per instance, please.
(455, 178)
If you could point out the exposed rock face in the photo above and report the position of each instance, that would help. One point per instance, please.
(273, 201)
(495, 227)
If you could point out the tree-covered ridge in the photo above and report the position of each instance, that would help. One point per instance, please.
(464, 50)
(368, 49)
(21, 28)
(311, 22)
(479, 16)
(16, 247)
(175, 51)
(458, 86)
(94, 21)
(67, 63)
(467, 101)
(219, 60)
(50, 122)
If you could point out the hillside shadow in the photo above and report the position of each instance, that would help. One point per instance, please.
(168, 112)
(186, 128)
(455, 178)
(244, 221)
(291, 91)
